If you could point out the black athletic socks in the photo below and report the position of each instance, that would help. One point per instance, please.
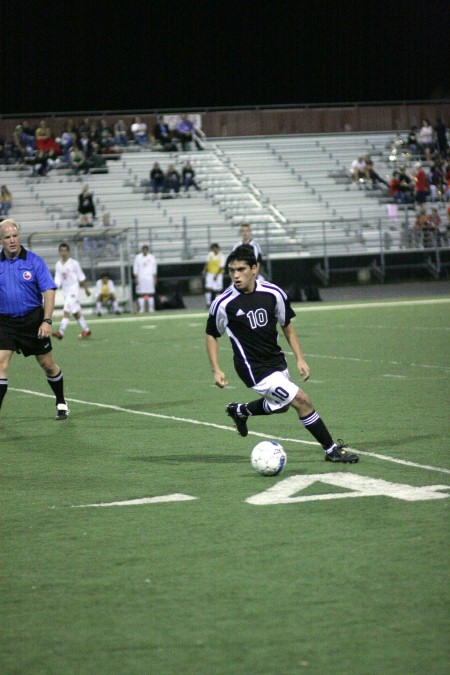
(316, 426)
(3, 388)
(57, 385)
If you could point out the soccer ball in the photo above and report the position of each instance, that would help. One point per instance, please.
(268, 458)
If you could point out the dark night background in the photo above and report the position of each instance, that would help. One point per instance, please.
(59, 56)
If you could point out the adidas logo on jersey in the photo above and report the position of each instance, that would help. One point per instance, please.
(240, 313)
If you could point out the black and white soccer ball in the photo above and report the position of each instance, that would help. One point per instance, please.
(268, 458)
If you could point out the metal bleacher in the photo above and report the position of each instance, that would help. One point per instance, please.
(294, 190)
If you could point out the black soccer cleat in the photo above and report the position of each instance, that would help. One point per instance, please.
(339, 454)
(240, 421)
(62, 411)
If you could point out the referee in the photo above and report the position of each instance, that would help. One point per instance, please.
(27, 299)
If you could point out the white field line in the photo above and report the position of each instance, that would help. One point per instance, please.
(175, 497)
(379, 361)
(297, 308)
(187, 420)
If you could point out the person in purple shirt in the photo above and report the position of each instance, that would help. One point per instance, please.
(187, 131)
(27, 299)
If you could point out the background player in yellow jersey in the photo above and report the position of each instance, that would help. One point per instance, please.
(213, 272)
(105, 292)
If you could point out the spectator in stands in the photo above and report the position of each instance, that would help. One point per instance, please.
(53, 160)
(105, 135)
(86, 206)
(426, 138)
(157, 178)
(85, 144)
(19, 150)
(185, 132)
(247, 240)
(105, 294)
(39, 164)
(85, 222)
(28, 137)
(95, 133)
(162, 135)
(441, 138)
(421, 188)
(445, 238)
(420, 225)
(406, 186)
(85, 127)
(188, 175)
(372, 175)
(139, 131)
(77, 161)
(24, 142)
(435, 223)
(172, 179)
(394, 187)
(45, 140)
(68, 138)
(120, 133)
(358, 170)
(5, 152)
(95, 159)
(436, 181)
(412, 142)
(6, 200)
(447, 181)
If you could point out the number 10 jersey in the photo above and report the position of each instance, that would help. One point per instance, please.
(250, 321)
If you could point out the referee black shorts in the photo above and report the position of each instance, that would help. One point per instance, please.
(20, 334)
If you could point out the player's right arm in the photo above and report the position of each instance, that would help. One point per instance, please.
(212, 348)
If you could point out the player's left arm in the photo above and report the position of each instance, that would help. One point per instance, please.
(294, 343)
(45, 328)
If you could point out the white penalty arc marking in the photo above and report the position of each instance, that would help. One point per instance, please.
(175, 497)
(223, 427)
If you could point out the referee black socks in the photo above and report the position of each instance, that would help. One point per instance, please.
(3, 388)
(57, 385)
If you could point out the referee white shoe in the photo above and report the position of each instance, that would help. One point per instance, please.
(62, 411)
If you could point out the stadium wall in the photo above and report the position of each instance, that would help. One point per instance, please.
(416, 265)
(268, 121)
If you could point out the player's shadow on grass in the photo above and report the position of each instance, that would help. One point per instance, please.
(188, 459)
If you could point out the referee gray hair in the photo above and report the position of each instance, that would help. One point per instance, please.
(9, 221)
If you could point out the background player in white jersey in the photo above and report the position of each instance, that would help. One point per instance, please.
(247, 240)
(105, 292)
(145, 270)
(69, 277)
(213, 272)
(248, 312)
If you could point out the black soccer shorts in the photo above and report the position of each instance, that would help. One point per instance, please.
(20, 334)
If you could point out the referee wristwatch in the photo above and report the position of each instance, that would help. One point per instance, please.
(49, 321)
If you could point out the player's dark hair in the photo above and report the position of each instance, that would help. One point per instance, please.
(244, 253)
(64, 245)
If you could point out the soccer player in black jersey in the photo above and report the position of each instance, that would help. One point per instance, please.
(248, 312)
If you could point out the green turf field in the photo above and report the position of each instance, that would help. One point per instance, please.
(325, 582)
